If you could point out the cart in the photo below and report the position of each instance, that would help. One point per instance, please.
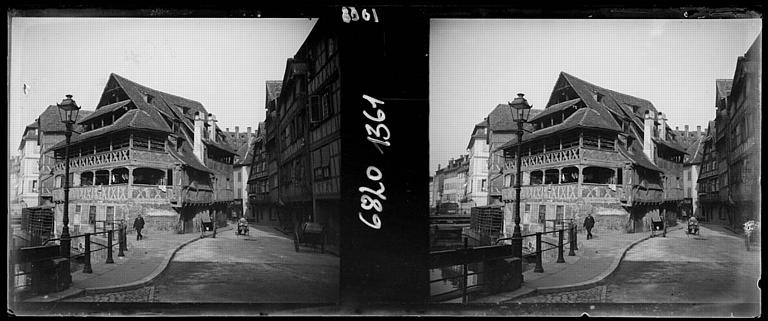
(658, 227)
(309, 233)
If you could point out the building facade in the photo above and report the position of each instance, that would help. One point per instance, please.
(477, 175)
(693, 142)
(143, 151)
(594, 150)
(263, 179)
(733, 197)
(14, 173)
(28, 179)
(451, 185)
(301, 151)
(243, 144)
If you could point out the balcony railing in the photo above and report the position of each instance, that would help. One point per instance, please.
(556, 156)
(98, 159)
(143, 193)
(568, 192)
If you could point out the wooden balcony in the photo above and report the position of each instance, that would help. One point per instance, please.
(114, 158)
(569, 192)
(157, 194)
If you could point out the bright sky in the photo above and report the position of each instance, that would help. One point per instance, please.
(476, 64)
(222, 63)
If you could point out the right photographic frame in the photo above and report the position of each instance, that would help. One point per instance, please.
(599, 166)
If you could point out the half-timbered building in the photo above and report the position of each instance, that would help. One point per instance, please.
(594, 150)
(143, 151)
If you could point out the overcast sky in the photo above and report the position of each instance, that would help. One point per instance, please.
(222, 63)
(477, 64)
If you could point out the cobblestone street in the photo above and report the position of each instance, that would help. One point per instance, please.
(145, 294)
(592, 295)
(713, 267)
(259, 268)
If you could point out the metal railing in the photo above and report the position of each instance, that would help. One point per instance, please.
(561, 222)
(559, 246)
(21, 270)
(462, 285)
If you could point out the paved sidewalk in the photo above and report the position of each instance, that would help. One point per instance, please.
(144, 261)
(595, 260)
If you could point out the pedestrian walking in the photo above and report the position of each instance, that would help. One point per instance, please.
(589, 223)
(138, 224)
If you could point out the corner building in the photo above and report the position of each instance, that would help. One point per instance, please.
(145, 152)
(594, 150)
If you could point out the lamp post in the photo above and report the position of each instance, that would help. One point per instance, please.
(68, 111)
(520, 110)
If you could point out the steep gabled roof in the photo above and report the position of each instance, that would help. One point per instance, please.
(273, 90)
(556, 108)
(478, 135)
(103, 110)
(188, 158)
(636, 155)
(133, 119)
(581, 118)
(722, 89)
(670, 144)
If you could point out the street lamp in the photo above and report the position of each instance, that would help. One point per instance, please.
(68, 111)
(520, 111)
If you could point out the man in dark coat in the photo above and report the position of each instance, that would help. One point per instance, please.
(138, 224)
(589, 223)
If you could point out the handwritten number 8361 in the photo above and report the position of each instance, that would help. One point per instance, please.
(350, 14)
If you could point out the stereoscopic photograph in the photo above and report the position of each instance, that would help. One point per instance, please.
(490, 161)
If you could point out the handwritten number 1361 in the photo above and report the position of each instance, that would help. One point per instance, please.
(350, 14)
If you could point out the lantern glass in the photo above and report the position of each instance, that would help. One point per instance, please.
(520, 108)
(68, 110)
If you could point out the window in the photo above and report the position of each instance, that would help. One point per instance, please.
(149, 176)
(237, 177)
(550, 176)
(119, 176)
(110, 213)
(483, 185)
(559, 213)
(527, 210)
(34, 185)
(537, 177)
(92, 215)
(542, 213)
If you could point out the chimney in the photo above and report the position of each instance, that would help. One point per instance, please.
(698, 131)
(686, 131)
(248, 137)
(647, 135)
(212, 127)
(197, 147)
(662, 126)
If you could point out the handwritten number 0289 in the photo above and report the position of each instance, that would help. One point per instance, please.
(350, 14)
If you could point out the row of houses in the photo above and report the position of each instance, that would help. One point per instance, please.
(729, 190)
(295, 160)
